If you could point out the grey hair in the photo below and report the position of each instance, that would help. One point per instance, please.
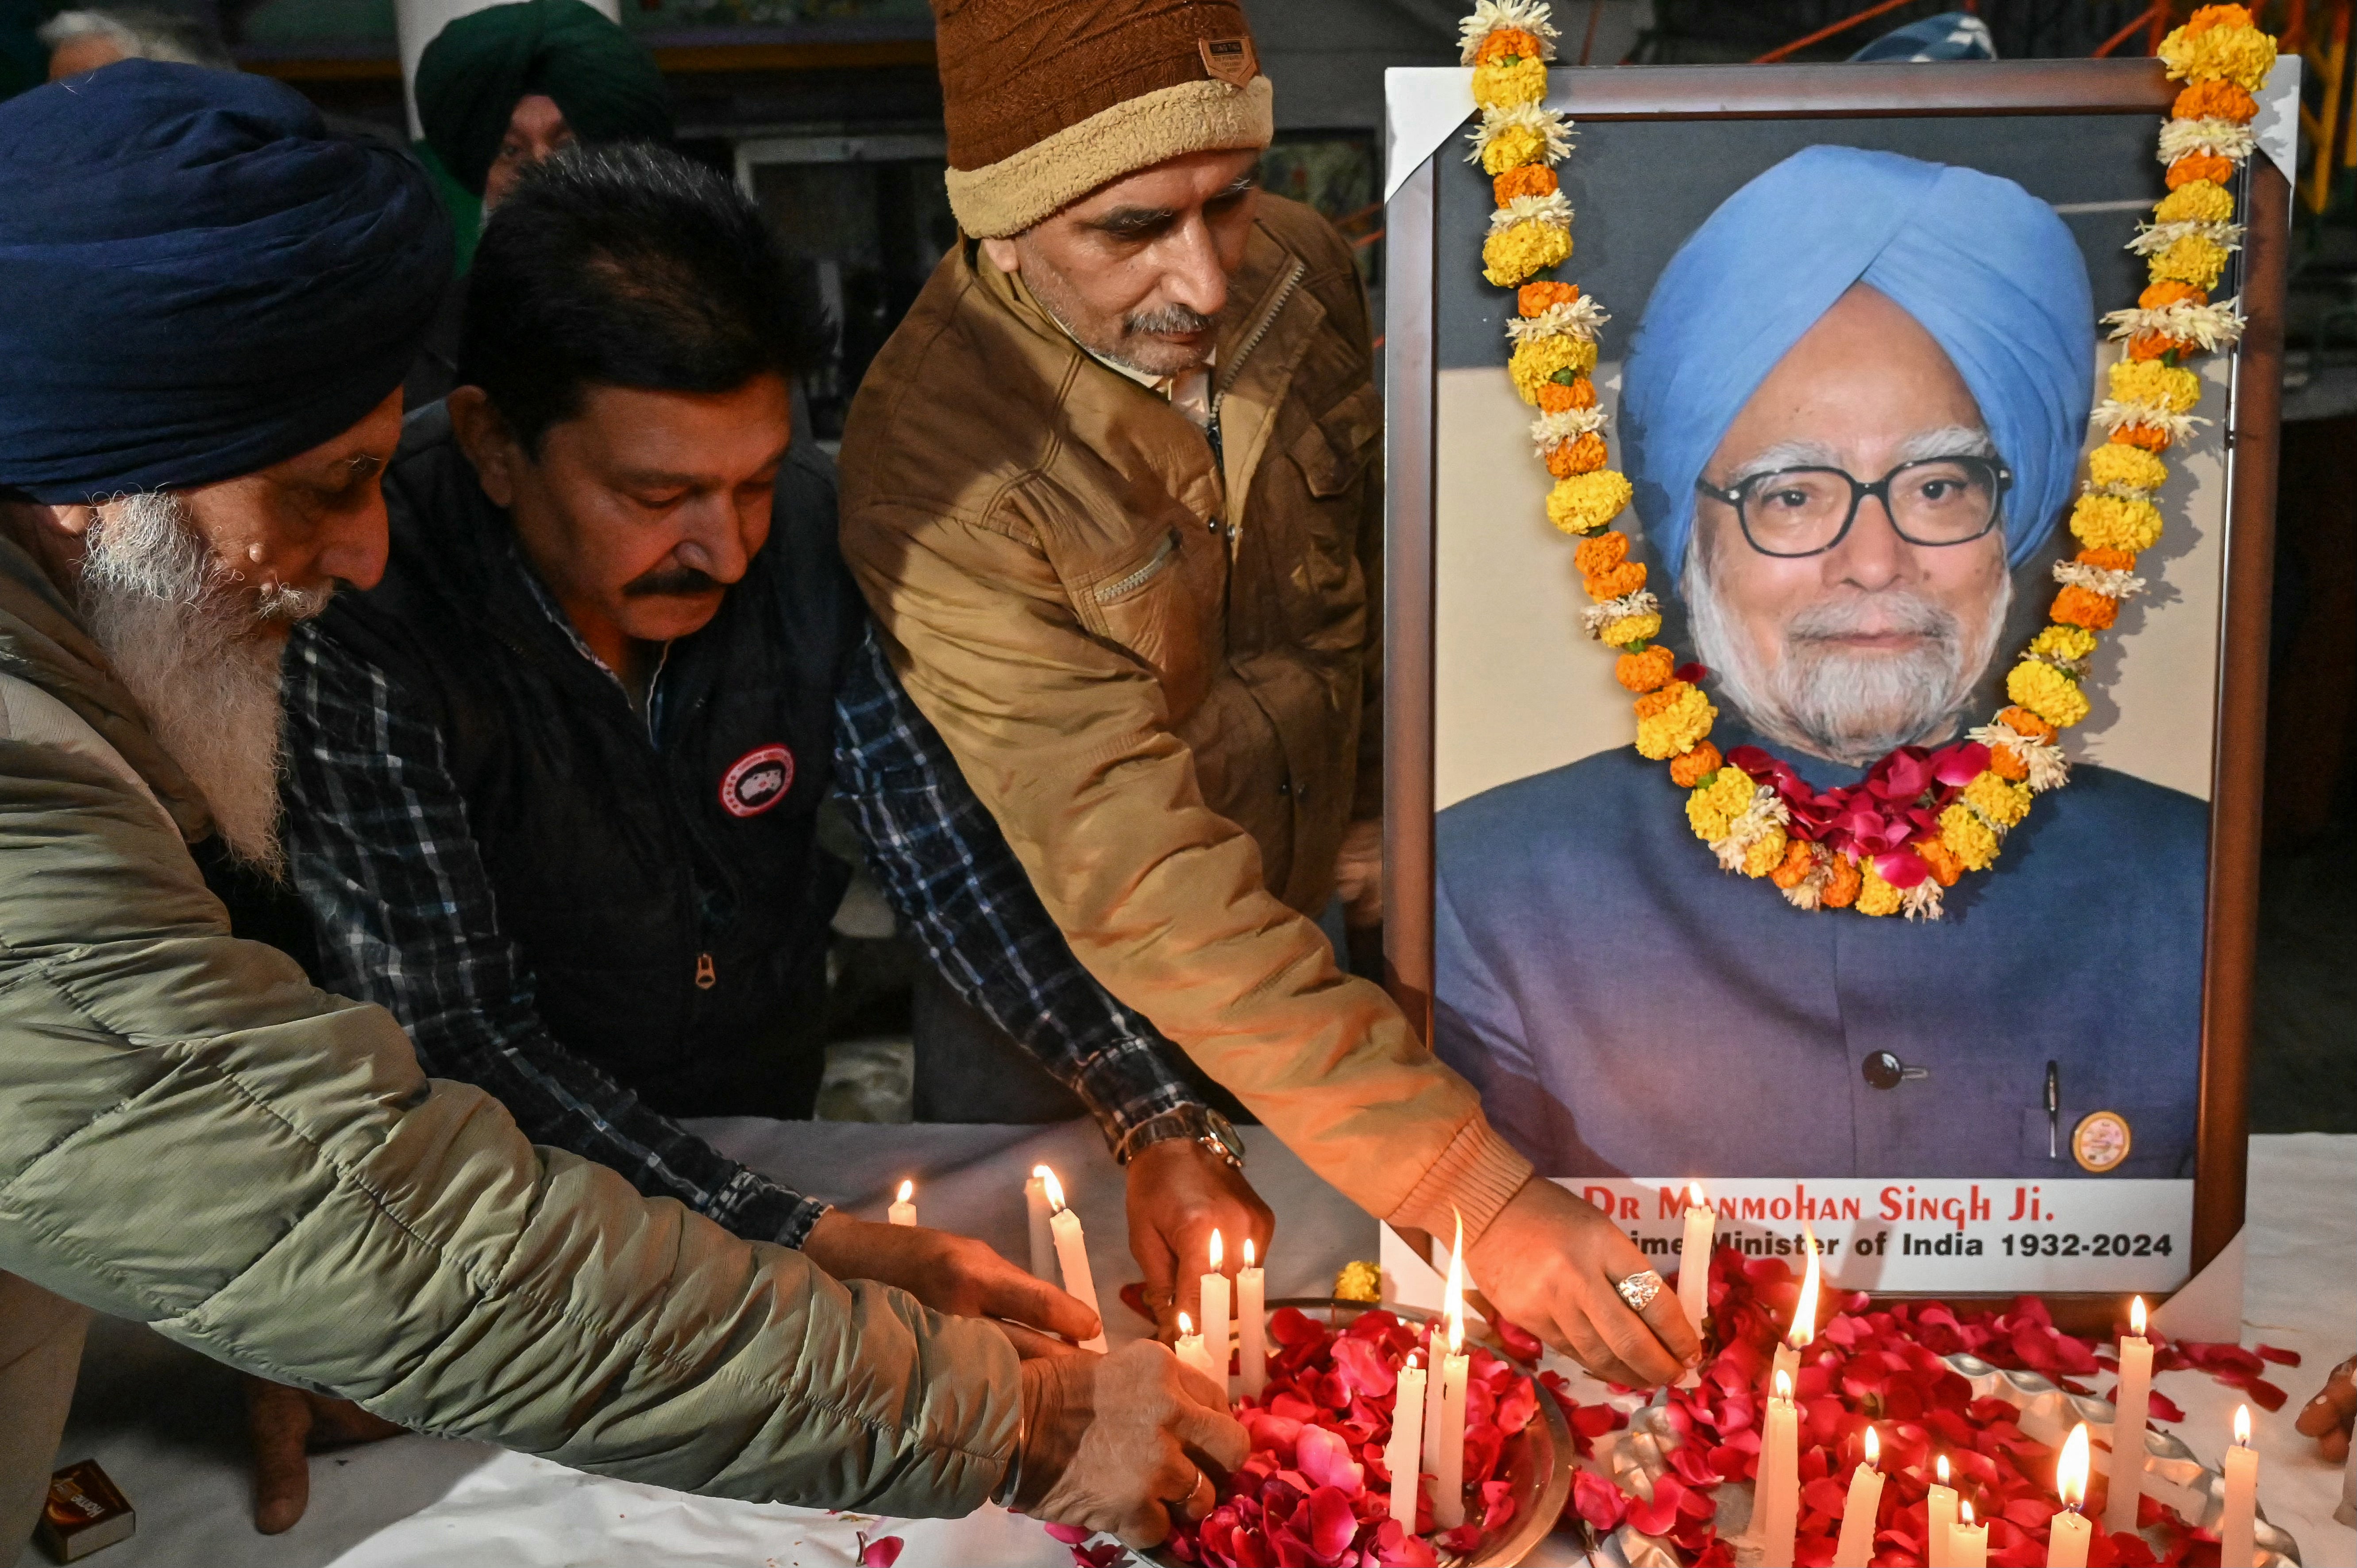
(142, 32)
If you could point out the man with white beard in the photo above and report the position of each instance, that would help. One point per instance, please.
(1846, 432)
(211, 302)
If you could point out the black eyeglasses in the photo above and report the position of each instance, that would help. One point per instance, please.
(1807, 511)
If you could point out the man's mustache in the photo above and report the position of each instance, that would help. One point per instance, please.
(1169, 321)
(674, 581)
(1884, 615)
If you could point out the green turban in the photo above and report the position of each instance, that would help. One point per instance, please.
(472, 74)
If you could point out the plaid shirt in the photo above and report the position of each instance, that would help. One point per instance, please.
(380, 852)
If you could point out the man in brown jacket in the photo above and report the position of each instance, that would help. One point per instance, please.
(1111, 493)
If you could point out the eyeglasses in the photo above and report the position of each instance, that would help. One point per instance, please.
(1807, 511)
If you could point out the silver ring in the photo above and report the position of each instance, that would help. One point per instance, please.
(1638, 1290)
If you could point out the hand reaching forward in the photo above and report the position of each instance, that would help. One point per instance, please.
(1178, 1192)
(950, 1274)
(285, 1426)
(1549, 1262)
(1121, 1442)
(2327, 1416)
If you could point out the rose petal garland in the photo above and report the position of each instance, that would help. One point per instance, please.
(1891, 844)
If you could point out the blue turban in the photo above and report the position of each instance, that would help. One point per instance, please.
(1986, 268)
(200, 280)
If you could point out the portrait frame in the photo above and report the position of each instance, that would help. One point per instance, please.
(1418, 251)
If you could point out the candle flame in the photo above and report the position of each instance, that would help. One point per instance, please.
(1943, 1468)
(1453, 1303)
(1055, 1189)
(2242, 1427)
(2136, 1318)
(1216, 1253)
(907, 1190)
(1695, 1200)
(1965, 1513)
(2071, 1472)
(1248, 1252)
(1186, 1326)
(1804, 1312)
(1783, 1385)
(1041, 1172)
(1873, 1450)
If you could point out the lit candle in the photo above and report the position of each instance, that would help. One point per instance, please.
(904, 1211)
(1694, 1260)
(1251, 1323)
(1406, 1453)
(1856, 1547)
(1215, 1314)
(2129, 1406)
(1073, 1256)
(1968, 1541)
(2068, 1532)
(1776, 1493)
(1448, 1475)
(1043, 1238)
(1190, 1348)
(1804, 1320)
(1940, 1515)
(2238, 1528)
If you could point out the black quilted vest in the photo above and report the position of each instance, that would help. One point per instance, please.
(663, 875)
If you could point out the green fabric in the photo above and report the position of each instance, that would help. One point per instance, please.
(476, 68)
(193, 1137)
(464, 206)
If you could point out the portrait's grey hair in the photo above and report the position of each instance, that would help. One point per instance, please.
(142, 32)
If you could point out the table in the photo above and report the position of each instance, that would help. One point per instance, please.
(165, 1422)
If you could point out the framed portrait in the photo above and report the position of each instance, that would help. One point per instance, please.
(1846, 345)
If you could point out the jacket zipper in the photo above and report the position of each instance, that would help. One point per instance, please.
(1260, 330)
(1143, 575)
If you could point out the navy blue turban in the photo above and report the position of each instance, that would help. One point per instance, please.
(1986, 268)
(199, 280)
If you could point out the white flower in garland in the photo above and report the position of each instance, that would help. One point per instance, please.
(1549, 431)
(1597, 616)
(2217, 138)
(1573, 318)
(1548, 132)
(1491, 16)
(2152, 237)
(1550, 210)
(2207, 327)
(2049, 769)
(2114, 415)
(2116, 586)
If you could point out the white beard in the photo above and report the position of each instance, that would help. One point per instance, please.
(202, 665)
(1849, 707)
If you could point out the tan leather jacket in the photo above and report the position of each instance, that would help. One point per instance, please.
(1160, 674)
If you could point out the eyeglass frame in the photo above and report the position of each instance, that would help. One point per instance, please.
(1859, 490)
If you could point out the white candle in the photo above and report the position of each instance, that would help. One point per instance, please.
(2068, 1532)
(1448, 1472)
(2239, 1527)
(1251, 1324)
(1856, 1547)
(1043, 1239)
(1694, 1258)
(1072, 1257)
(1215, 1314)
(1968, 1541)
(1776, 1494)
(1190, 1348)
(1434, 1348)
(1404, 1453)
(2130, 1406)
(1938, 1513)
(904, 1210)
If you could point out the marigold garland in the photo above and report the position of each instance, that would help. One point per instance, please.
(1974, 792)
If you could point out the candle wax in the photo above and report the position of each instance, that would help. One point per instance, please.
(1776, 1493)
(1252, 1326)
(2130, 1406)
(1436, 1346)
(1939, 1512)
(1448, 1475)
(1192, 1354)
(2238, 1528)
(1405, 1455)
(1969, 1546)
(1072, 1254)
(1043, 1239)
(2067, 1537)
(904, 1212)
(1694, 1275)
(1215, 1326)
(1856, 1547)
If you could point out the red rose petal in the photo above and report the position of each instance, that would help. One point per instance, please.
(1598, 1500)
(881, 1552)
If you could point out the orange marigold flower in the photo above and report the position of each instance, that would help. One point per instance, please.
(1600, 553)
(2108, 560)
(2159, 294)
(2214, 101)
(1799, 860)
(1584, 456)
(1644, 670)
(2075, 606)
(1691, 767)
(1842, 885)
(1508, 41)
(1656, 703)
(2205, 18)
(2023, 722)
(1946, 866)
(1616, 582)
(1557, 398)
(1538, 299)
(2151, 437)
(2155, 345)
(2007, 764)
(1531, 179)
(2193, 166)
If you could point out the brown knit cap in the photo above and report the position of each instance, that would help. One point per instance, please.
(1047, 100)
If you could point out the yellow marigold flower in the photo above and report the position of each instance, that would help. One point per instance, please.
(1630, 629)
(1360, 1281)
(2149, 380)
(2067, 642)
(1682, 721)
(1713, 806)
(2048, 692)
(2192, 258)
(2202, 201)
(2113, 523)
(1586, 502)
(1537, 361)
(1968, 838)
(1497, 85)
(1876, 897)
(2225, 51)
(1764, 854)
(1509, 256)
(1999, 799)
(1516, 146)
(2125, 465)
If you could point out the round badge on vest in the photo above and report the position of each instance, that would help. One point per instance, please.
(756, 782)
(2100, 1142)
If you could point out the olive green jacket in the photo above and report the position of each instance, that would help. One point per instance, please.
(193, 1137)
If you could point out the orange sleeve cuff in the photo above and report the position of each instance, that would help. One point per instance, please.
(1473, 1177)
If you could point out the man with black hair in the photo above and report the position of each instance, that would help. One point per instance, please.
(552, 786)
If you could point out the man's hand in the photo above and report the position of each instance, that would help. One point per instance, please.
(2327, 1417)
(1549, 1262)
(1358, 875)
(284, 1425)
(1180, 1192)
(949, 1273)
(1120, 1443)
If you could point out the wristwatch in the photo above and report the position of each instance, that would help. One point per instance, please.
(1199, 1124)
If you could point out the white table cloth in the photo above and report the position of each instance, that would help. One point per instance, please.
(167, 1424)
